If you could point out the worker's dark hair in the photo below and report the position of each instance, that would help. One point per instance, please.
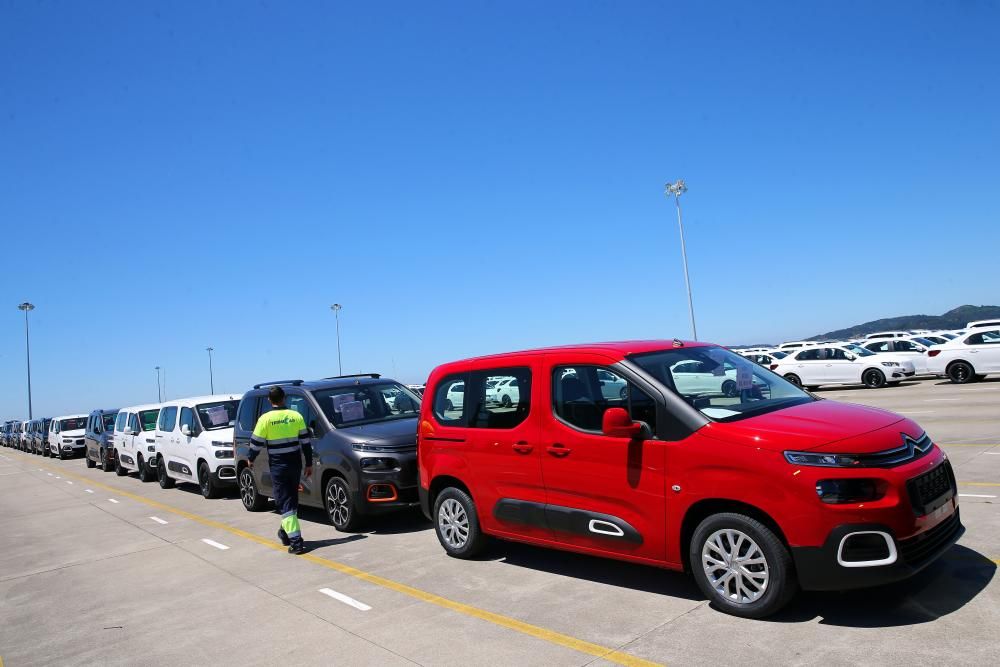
(276, 395)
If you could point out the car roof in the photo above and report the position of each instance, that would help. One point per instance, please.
(72, 417)
(137, 408)
(192, 400)
(105, 411)
(323, 383)
(618, 349)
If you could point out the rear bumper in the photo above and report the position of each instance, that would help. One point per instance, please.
(820, 569)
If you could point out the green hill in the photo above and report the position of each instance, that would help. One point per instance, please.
(956, 318)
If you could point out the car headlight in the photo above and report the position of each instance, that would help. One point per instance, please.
(150, 448)
(841, 491)
(890, 363)
(372, 464)
(822, 460)
(223, 453)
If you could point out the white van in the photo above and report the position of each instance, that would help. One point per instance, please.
(135, 444)
(66, 435)
(194, 442)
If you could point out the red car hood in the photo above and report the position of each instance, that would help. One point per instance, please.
(822, 425)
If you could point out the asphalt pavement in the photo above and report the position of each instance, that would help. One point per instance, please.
(99, 569)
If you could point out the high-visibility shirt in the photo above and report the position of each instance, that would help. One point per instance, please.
(281, 431)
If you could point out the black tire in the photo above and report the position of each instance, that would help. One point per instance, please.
(961, 372)
(341, 508)
(206, 481)
(505, 401)
(781, 584)
(146, 474)
(448, 407)
(729, 388)
(120, 470)
(873, 378)
(794, 379)
(166, 482)
(253, 501)
(812, 387)
(453, 510)
(623, 394)
(106, 464)
(90, 461)
(62, 456)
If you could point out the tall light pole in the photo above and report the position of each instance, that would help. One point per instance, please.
(159, 393)
(677, 189)
(211, 375)
(336, 312)
(27, 308)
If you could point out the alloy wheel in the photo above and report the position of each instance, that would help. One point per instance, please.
(453, 523)
(248, 492)
(735, 566)
(339, 504)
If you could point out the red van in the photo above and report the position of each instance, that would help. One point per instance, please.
(685, 456)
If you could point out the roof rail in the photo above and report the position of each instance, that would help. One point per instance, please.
(294, 383)
(355, 375)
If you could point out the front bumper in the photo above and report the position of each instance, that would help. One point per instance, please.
(820, 568)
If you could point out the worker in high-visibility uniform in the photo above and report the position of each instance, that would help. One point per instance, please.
(286, 437)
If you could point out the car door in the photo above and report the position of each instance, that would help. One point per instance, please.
(310, 489)
(185, 444)
(984, 351)
(838, 366)
(500, 445)
(912, 352)
(604, 494)
(808, 366)
(164, 434)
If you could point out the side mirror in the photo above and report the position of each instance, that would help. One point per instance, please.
(851, 357)
(186, 430)
(618, 424)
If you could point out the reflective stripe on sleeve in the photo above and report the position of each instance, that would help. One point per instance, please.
(255, 448)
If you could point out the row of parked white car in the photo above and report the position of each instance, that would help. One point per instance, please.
(887, 358)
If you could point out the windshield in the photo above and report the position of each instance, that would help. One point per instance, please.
(860, 351)
(354, 405)
(75, 424)
(778, 354)
(109, 420)
(722, 385)
(221, 414)
(147, 419)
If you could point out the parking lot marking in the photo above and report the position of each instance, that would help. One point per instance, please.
(57, 477)
(68, 481)
(346, 599)
(915, 412)
(538, 632)
(974, 495)
(213, 543)
(936, 400)
(980, 483)
(49, 474)
(159, 520)
(112, 500)
(88, 490)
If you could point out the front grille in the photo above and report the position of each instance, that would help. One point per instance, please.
(910, 450)
(932, 489)
(915, 550)
(400, 449)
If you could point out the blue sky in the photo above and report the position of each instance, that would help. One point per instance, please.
(471, 178)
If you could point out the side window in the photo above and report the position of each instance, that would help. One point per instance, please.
(120, 421)
(906, 346)
(501, 398)
(449, 401)
(812, 354)
(984, 338)
(245, 415)
(168, 418)
(838, 354)
(879, 347)
(187, 419)
(133, 423)
(580, 396)
(301, 405)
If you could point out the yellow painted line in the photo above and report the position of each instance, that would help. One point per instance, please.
(980, 483)
(538, 632)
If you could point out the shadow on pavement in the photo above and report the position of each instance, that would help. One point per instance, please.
(944, 587)
(409, 520)
(590, 568)
(331, 542)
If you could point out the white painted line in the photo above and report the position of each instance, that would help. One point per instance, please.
(112, 500)
(935, 400)
(915, 412)
(68, 482)
(58, 477)
(974, 495)
(992, 453)
(49, 474)
(213, 543)
(159, 520)
(345, 599)
(88, 490)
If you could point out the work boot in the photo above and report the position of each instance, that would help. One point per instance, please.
(298, 548)
(283, 536)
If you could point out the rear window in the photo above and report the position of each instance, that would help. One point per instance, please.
(221, 414)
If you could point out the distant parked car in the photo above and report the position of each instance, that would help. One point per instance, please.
(99, 439)
(815, 367)
(902, 348)
(967, 358)
(67, 436)
(796, 344)
(983, 324)
(194, 443)
(135, 444)
(888, 334)
(40, 436)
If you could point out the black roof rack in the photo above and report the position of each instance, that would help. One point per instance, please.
(355, 375)
(294, 383)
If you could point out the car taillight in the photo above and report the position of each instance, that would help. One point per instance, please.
(933, 353)
(774, 366)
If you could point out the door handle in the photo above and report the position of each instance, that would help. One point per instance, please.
(558, 450)
(522, 447)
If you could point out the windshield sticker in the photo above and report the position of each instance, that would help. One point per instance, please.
(352, 411)
(217, 415)
(340, 399)
(744, 377)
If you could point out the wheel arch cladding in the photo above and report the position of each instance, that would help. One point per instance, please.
(442, 482)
